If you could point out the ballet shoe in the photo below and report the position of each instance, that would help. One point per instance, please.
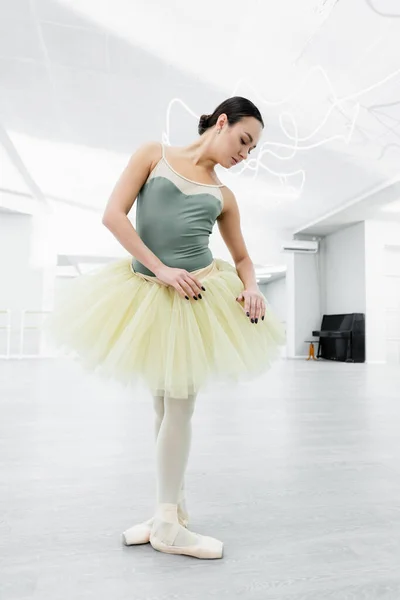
(140, 533)
(183, 517)
(206, 548)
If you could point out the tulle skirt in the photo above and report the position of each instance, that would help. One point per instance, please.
(131, 327)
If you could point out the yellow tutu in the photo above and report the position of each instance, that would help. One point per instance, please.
(129, 326)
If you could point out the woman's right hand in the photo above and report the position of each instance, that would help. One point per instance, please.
(186, 284)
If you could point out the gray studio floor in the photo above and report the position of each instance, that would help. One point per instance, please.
(298, 473)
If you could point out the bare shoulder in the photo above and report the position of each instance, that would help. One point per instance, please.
(132, 179)
(229, 199)
(149, 152)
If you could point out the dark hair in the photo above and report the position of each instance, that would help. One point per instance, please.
(235, 108)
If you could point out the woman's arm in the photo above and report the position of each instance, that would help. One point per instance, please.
(229, 226)
(122, 198)
(115, 218)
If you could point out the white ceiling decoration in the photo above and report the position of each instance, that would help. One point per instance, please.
(85, 82)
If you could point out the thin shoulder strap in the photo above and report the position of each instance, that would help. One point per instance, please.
(163, 149)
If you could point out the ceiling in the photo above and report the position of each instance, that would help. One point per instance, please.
(85, 82)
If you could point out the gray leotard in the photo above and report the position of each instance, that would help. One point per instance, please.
(175, 217)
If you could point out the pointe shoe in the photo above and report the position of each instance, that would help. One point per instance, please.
(206, 548)
(140, 534)
(168, 536)
(183, 517)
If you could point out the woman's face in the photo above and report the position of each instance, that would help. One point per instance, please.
(234, 143)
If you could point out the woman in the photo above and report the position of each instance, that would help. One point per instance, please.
(173, 315)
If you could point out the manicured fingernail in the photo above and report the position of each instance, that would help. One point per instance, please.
(252, 320)
(200, 296)
(256, 320)
(203, 288)
(262, 318)
(247, 314)
(195, 297)
(187, 297)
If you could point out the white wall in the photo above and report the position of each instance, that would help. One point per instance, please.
(392, 304)
(81, 231)
(18, 203)
(329, 282)
(343, 264)
(21, 285)
(303, 302)
(263, 244)
(275, 292)
(358, 278)
(378, 236)
(307, 300)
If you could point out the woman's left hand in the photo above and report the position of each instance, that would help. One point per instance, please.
(254, 304)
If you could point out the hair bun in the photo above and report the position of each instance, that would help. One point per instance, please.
(203, 123)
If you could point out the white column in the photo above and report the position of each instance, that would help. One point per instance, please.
(290, 307)
(304, 304)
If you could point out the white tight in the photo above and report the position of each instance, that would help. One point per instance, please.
(173, 434)
(173, 431)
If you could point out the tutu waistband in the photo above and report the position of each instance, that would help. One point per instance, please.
(200, 273)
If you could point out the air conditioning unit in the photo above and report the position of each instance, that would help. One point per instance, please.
(301, 246)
